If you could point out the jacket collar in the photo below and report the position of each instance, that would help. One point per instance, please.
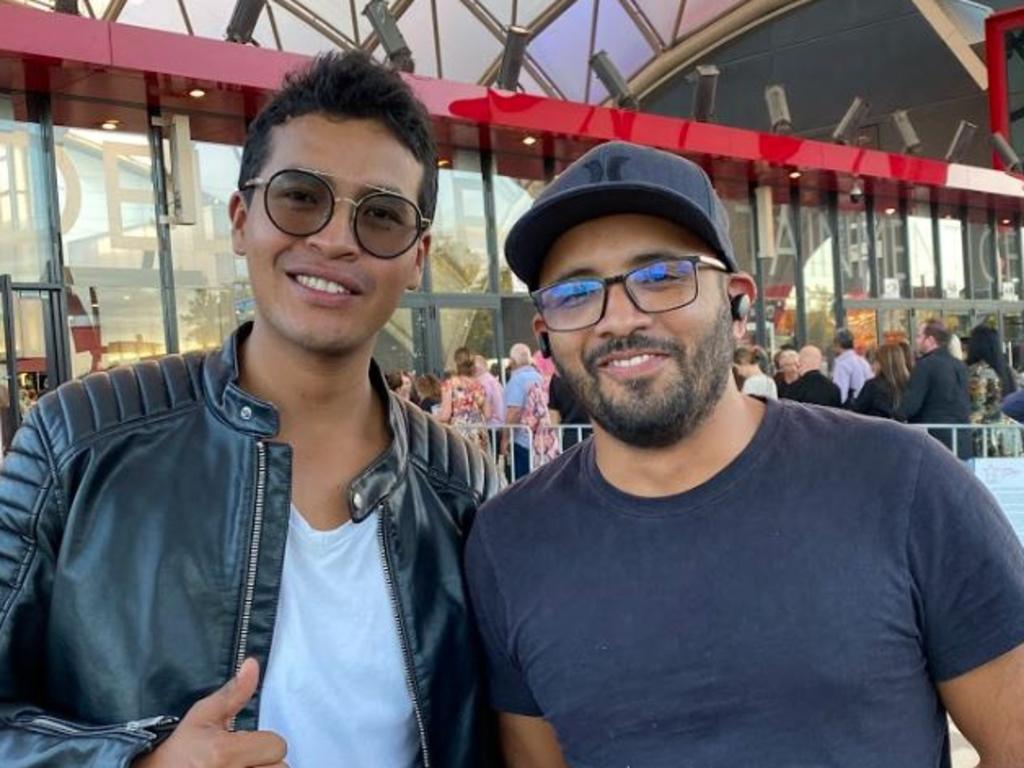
(250, 415)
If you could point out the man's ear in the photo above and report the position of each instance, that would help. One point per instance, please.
(238, 211)
(742, 290)
(422, 252)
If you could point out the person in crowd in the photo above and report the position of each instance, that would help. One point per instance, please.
(567, 411)
(813, 386)
(750, 365)
(401, 383)
(523, 378)
(217, 558)
(956, 347)
(787, 367)
(464, 402)
(850, 370)
(908, 353)
(428, 391)
(492, 388)
(937, 391)
(719, 580)
(881, 394)
(989, 378)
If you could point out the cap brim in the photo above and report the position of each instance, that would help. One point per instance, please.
(533, 235)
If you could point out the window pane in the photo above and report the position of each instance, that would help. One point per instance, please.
(853, 249)
(473, 328)
(210, 280)
(517, 323)
(26, 247)
(819, 274)
(1009, 262)
(951, 247)
(979, 243)
(863, 325)
(396, 349)
(924, 277)
(889, 250)
(780, 277)
(110, 247)
(517, 181)
(458, 252)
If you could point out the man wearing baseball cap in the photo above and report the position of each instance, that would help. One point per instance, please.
(713, 580)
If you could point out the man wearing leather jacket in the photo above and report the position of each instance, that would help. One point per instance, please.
(212, 560)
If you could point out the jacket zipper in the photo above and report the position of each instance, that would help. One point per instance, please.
(133, 727)
(254, 555)
(406, 653)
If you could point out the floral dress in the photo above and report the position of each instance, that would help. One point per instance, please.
(986, 395)
(468, 400)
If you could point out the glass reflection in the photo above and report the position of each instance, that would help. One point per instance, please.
(981, 255)
(853, 251)
(110, 247)
(458, 251)
(473, 328)
(889, 249)
(924, 276)
(780, 279)
(512, 198)
(26, 247)
(818, 275)
(951, 247)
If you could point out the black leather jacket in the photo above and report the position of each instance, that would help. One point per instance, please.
(143, 515)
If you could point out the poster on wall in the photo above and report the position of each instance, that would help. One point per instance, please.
(1004, 479)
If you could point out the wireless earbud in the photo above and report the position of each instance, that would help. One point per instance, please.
(544, 342)
(740, 306)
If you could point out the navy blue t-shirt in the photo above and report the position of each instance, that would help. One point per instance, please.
(795, 610)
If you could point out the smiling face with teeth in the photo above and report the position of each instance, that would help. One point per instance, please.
(322, 293)
(649, 380)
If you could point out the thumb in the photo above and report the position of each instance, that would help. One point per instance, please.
(227, 701)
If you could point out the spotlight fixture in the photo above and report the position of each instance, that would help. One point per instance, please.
(961, 141)
(391, 39)
(243, 20)
(613, 80)
(197, 93)
(857, 191)
(529, 140)
(512, 59)
(778, 109)
(1006, 153)
(110, 125)
(911, 142)
(706, 76)
(858, 110)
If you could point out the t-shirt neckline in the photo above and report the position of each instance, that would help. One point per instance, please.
(687, 501)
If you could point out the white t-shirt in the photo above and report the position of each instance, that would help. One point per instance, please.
(335, 686)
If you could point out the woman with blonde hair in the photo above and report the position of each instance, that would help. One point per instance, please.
(880, 395)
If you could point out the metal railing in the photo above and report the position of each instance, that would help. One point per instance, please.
(977, 441)
(498, 441)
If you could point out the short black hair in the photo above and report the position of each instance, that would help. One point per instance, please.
(844, 339)
(348, 84)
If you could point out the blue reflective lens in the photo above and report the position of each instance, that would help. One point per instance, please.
(662, 272)
(571, 293)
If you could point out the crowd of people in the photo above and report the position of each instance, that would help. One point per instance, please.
(939, 381)
(261, 556)
(516, 422)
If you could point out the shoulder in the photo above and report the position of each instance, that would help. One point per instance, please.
(100, 404)
(447, 459)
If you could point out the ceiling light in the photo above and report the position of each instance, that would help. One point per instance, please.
(1006, 221)
(890, 211)
(778, 109)
(847, 127)
(961, 141)
(795, 174)
(391, 39)
(529, 140)
(909, 137)
(706, 76)
(512, 59)
(197, 93)
(243, 20)
(110, 125)
(613, 80)
(442, 163)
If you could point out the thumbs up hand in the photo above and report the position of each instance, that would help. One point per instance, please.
(202, 738)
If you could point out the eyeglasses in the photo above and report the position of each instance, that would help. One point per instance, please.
(301, 203)
(658, 286)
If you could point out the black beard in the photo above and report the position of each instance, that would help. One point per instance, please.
(646, 417)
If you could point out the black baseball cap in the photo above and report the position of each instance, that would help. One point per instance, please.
(619, 177)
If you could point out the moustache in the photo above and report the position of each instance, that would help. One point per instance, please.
(634, 343)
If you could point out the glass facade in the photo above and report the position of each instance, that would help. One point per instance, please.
(91, 246)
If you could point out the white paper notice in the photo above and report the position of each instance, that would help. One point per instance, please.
(1004, 478)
